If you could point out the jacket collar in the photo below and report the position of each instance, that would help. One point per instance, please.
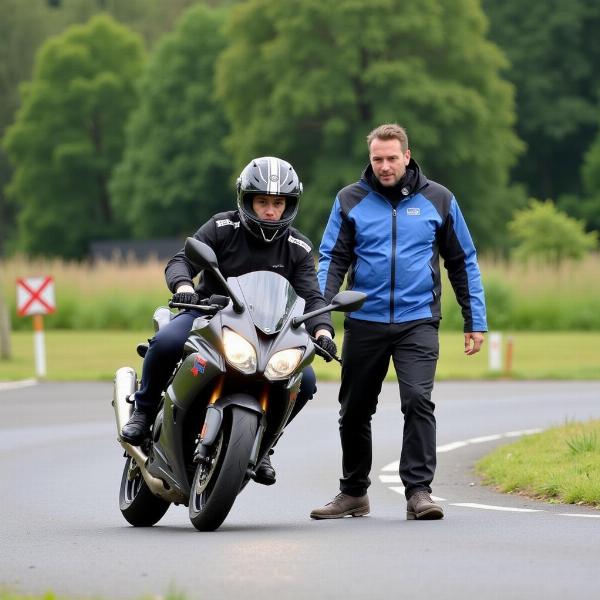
(412, 181)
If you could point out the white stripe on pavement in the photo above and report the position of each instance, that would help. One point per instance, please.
(490, 507)
(395, 466)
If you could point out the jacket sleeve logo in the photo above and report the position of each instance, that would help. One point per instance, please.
(298, 242)
(224, 222)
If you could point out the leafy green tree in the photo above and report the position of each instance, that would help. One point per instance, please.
(22, 27)
(175, 171)
(68, 135)
(585, 208)
(544, 233)
(591, 168)
(554, 50)
(299, 83)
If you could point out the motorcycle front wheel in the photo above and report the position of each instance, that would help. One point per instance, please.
(138, 504)
(217, 481)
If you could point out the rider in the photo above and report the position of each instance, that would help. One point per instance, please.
(256, 237)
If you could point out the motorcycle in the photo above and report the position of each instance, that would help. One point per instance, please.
(228, 400)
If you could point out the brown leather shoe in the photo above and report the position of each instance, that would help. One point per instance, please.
(343, 505)
(421, 506)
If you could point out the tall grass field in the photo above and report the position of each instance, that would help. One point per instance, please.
(121, 295)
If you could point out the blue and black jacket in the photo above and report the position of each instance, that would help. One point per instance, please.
(391, 251)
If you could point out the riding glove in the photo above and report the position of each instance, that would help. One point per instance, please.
(185, 298)
(328, 345)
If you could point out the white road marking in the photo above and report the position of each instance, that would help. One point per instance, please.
(491, 507)
(15, 385)
(394, 467)
(390, 479)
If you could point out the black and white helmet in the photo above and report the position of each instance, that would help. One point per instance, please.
(270, 176)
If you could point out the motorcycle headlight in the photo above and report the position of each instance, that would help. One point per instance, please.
(282, 363)
(239, 352)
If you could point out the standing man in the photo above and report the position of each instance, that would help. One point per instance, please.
(388, 231)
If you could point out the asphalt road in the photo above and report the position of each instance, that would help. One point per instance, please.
(61, 529)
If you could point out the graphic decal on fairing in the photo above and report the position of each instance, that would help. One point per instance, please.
(199, 364)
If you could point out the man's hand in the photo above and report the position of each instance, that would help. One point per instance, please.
(473, 342)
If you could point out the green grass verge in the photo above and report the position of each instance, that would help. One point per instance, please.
(96, 355)
(561, 465)
(5, 595)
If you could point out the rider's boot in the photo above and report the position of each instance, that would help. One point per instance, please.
(264, 472)
(137, 429)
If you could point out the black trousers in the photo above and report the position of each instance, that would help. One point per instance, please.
(367, 349)
(166, 349)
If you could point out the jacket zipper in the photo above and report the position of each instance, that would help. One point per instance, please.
(393, 279)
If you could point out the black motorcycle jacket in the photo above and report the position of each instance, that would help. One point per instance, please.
(238, 253)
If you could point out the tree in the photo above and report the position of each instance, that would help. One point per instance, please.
(175, 170)
(300, 84)
(22, 27)
(543, 232)
(554, 50)
(68, 135)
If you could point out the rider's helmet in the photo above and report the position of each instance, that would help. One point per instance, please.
(274, 177)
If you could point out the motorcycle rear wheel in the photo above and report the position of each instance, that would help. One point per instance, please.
(217, 482)
(139, 506)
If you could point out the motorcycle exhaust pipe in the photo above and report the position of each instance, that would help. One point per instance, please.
(125, 385)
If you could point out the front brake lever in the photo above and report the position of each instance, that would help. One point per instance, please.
(205, 307)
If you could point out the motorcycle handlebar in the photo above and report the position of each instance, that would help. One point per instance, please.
(212, 305)
(209, 308)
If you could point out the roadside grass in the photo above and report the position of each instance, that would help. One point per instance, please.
(6, 594)
(96, 355)
(559, 465)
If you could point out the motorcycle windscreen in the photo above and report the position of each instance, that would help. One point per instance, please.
(270, 298)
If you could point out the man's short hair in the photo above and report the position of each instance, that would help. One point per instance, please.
(389, 131)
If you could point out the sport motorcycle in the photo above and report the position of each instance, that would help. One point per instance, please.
(228, 400)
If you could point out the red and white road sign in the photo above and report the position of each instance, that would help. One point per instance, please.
(35, 296)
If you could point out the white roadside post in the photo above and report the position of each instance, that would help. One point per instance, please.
(35, 297)
(495, 351)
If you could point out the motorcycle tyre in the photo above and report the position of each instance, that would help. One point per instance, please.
(230, 469)
(139, 506)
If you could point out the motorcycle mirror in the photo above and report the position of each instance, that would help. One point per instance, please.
(345, 301)
(348, 300)
(204, 256)
(201, 254)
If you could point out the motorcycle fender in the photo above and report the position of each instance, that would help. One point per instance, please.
(212, 424)
(214, 414)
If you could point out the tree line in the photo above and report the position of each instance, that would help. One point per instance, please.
(107, 139)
